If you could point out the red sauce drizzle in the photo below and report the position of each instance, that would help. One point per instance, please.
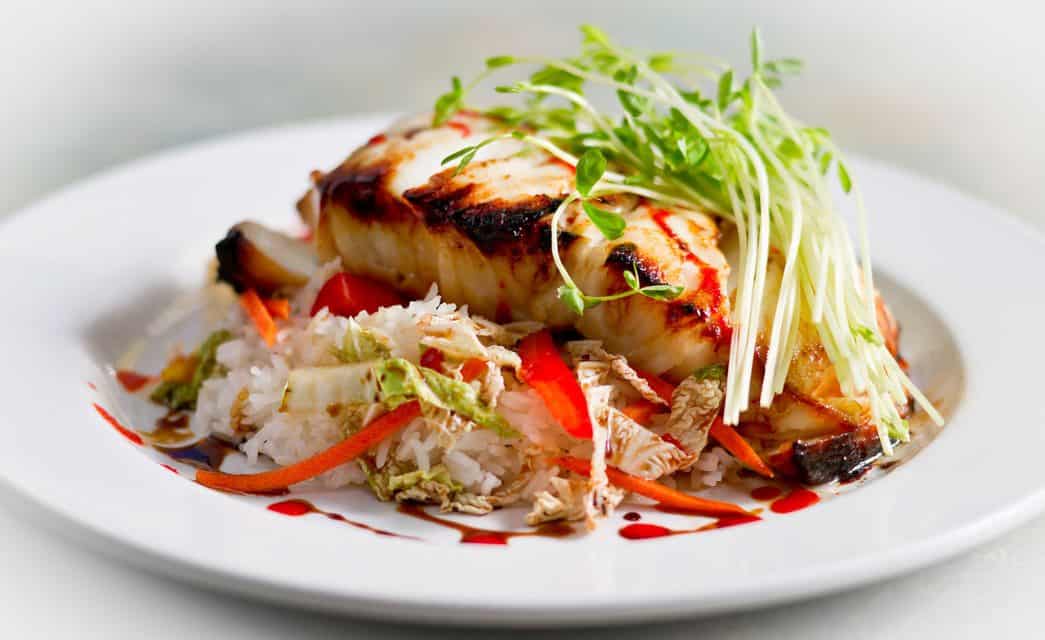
(132, 381)
(645, 531)
(169, 468)
(632, 516)
(710, 294)
(124, 431)
(474, 535)
(562, 163)
(433, 359)
(795, 500)
(296, 508)
(766, 493)
(460, 126)
(378, 139)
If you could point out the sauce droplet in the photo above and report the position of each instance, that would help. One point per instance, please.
(766, 493)
(292, 507)
(632, 516)
(795, 500)
(132, 381)
(169, 468)
(460, 126)
(643, 531)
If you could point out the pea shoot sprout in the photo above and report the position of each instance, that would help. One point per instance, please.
(691, 134)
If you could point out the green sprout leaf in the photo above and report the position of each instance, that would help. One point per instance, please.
(497, 62)
(632, 279)
(789, 149)
(661, 62)
(449, 103)
(590, 168)
(664, 292)
(610, 224)
(843, 178)
(825, 162)
(790, 66)
(711, 372)
(572, 298)
(725, 90)
(867, 334)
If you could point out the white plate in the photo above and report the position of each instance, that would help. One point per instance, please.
(87, 269)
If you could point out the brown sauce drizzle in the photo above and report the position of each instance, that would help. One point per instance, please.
(766, 493)
(207, 453)
(296, 508)
(474, 535)
(171, 429)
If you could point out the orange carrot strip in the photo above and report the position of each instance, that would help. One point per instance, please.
(641, 411)
(342, 452)
(734, 443)
(660, 386)
(664, 495)
(255, 308)
(277, 307)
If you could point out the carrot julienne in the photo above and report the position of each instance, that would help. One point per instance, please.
(277, 307)
(735, 444)
(641, 411)
(660, 386)
(666, 496)
(259, 315)
(345, 451)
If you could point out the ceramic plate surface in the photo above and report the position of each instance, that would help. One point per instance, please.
(88, 269)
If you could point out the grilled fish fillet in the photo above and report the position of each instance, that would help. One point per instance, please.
(393, 212)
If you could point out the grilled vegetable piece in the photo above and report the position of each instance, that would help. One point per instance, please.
(845, 456)
(252, 256)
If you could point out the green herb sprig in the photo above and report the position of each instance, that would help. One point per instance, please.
(693, 134)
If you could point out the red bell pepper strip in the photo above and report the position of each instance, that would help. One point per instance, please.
(544, 370)
(346, 295)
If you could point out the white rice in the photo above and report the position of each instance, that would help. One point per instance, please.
(244, 405)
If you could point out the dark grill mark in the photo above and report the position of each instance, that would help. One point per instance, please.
(357, 191)
(627, 258)
(491, 224)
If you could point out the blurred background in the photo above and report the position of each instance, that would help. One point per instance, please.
(954, 91)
